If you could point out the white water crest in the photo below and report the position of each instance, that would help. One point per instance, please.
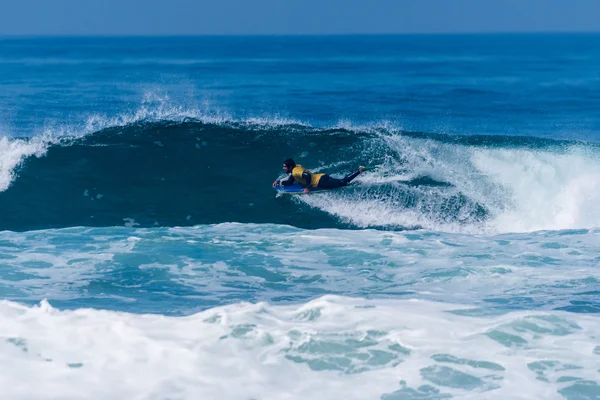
(521, 189)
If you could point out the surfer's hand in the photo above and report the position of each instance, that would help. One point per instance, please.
(306, 190)
(276, 183)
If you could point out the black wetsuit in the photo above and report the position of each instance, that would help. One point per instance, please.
(326, 181)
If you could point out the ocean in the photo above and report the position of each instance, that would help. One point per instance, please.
(145, 255)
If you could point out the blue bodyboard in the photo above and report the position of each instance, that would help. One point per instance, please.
(297, 189)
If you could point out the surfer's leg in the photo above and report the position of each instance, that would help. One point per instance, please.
(327, 182)
(350, 177)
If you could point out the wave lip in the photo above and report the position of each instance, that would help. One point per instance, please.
(13, 152)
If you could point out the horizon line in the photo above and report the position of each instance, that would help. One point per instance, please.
(183, 35)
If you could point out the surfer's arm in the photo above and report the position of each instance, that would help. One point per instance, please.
(287, 182)
(307, 178)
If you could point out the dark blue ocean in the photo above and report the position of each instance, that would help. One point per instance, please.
(145, 255)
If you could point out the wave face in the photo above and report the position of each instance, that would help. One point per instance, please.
(188, 172)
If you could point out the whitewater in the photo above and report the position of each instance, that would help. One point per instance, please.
(144, 254)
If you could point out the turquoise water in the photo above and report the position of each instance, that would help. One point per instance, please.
(140, 236)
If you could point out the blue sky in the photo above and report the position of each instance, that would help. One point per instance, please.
(225, 17)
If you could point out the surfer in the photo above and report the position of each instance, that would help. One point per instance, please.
(309, 180)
